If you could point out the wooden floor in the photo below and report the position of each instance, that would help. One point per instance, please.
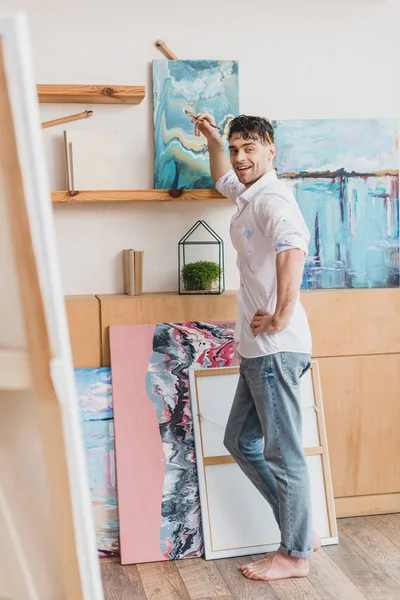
(366, 564)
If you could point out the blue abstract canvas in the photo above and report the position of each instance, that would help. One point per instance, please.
(97, 419)
(181, 158)
(344, 174)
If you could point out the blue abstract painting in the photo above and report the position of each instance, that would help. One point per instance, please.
(181, 158)
(344, 174)
(97, 420)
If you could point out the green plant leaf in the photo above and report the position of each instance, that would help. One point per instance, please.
(200, 275)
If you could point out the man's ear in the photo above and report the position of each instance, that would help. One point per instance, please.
(272, 150)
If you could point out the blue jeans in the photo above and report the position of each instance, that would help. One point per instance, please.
(264, 436)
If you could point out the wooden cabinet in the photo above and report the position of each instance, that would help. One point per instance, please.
(356, 339)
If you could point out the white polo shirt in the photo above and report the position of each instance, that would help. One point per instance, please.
(268, 221)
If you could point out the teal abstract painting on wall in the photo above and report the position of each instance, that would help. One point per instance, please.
(181, 158)
(345, 176)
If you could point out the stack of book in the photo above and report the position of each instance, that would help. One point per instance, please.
(133, 272)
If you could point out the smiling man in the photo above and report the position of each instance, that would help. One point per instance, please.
(264, 430)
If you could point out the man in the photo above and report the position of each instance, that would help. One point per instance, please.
(264, 430)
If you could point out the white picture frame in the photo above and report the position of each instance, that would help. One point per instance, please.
(231, 507)
(92, 159)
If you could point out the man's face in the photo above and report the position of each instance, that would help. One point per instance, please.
(250, 159)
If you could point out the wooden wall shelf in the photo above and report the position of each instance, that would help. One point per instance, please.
(91, 94)
(96, 196)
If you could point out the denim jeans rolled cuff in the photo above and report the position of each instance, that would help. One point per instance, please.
(295, 553)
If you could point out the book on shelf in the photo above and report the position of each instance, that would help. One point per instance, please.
(133, 272)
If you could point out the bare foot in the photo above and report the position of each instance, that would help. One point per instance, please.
(277, 566)
(316, 542)
(257, 563)
(316, 546)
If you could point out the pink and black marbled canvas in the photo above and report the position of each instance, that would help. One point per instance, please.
(159, 507)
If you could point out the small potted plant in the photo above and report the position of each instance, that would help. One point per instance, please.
(200, 276)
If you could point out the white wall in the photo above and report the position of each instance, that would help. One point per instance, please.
(297, 59)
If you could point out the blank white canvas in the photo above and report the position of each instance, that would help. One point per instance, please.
(217, 393)
(229, 491)
(230, 494)
(236, 518)
(310, 425)
(318, 498)
(92, 159)
(215, 408)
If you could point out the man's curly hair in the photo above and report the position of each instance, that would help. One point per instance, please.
(252, 128)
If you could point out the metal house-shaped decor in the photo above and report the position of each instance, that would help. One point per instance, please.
(201, 261)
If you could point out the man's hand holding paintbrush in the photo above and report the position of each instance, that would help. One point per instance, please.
(204, 123)
(219, 163)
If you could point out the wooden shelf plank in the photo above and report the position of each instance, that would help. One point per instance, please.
(91, 94)
(93, 196)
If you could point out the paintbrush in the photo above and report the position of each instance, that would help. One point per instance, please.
(195, 117)
(216, 127)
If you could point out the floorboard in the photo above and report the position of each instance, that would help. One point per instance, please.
(389, 525)
(374, 544)
(330, 581)
(202, 579)
(364, 566)
(162, 581)
(362, 570)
